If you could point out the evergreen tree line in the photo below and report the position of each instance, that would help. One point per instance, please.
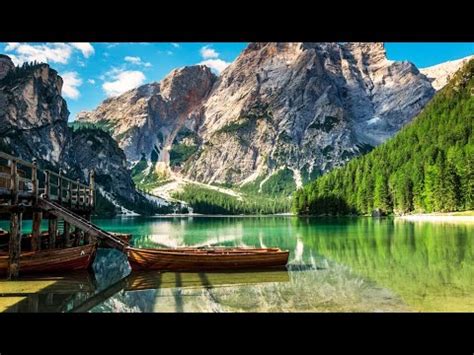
(20, 72)
(427, 167)
(207, 201)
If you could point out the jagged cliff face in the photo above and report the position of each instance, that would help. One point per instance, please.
(33, 124)
(95, 150)
(306, 107)
(33, 114)
(147, 119)
(6, 65)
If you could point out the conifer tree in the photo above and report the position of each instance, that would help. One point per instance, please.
(428, 166)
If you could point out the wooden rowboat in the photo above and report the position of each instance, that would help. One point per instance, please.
(193, 259)
(53, 260)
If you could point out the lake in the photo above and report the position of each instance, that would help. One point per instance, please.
(335, 265)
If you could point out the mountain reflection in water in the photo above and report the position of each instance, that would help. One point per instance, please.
(336, 264)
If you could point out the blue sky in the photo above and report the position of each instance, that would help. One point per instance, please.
(94, 71)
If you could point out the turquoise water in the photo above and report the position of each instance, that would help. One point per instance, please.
(336, 264)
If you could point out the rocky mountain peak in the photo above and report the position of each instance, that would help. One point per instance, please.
(184, 79)
(306, 107)
(372, 48)
(440, 74)
(6, 65)
(298, 109)
(33, 124)
(146, 120)
(31, 106)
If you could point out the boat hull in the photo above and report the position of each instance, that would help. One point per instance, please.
(189, 259)
(56, 260)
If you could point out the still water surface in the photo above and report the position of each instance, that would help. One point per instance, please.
(336, 264)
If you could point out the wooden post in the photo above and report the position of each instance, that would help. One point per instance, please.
(52, 230)
(78, 192)
(34, 181)
(46, 184)
(67, 238)
(69, 193)
(36, 231)
(60, 188)
(91, 187)
(33, 302)
(80, 240)
(77, 236)
(14, 182)
(49, 299)
(14, 247)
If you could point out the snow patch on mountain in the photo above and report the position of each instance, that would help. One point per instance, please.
(440, 74)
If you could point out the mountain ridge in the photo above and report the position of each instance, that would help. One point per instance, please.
(440, 73)
(427, 167)
(303, 108)
(34, 124)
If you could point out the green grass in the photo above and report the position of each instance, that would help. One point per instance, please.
(105, 126)
(208, 201)
(281, 183)
(180, 153)
(150, 184)
(234, 127)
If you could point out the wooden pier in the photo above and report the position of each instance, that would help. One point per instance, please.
(27, 191)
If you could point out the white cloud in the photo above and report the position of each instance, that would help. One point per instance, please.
(217, 65)
(134, 60)
(175, 45)
(137, 61)
(15, 59)
(169, 52)
(122, 81)
(207, 52)
(54, 53)
(85, 47)
(11, 46)
(212, 60)
(71, 83)
(47, 53)
(91, 81)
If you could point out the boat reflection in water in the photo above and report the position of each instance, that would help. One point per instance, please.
(140, 285)
(81, 292)
(47, 293)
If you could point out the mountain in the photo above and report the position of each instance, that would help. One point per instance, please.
(34, 124)
(307, 107)
(440, 74)
(427, 167)
(280, 111)
(33, 114)
(146, 120)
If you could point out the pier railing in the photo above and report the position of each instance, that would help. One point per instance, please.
(20, 179)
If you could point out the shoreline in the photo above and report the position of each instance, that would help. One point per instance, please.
(467, 216)
(452, 217)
